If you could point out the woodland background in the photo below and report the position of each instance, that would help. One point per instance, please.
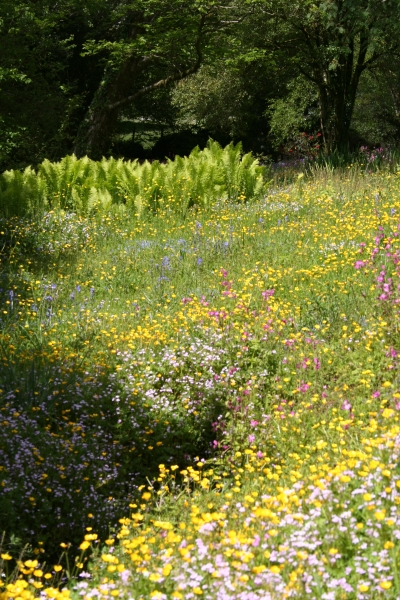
(154, 78)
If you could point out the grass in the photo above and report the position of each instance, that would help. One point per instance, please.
(204, 404)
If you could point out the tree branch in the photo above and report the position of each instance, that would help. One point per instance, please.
(164, 82)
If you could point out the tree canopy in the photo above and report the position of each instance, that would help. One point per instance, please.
(89, 76)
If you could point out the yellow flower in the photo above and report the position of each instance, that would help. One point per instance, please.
(388, 413)
(363, 587)
(275, 569)
(84, 546)
(197, 591)
(167, 570)
(259, 569)
(6, 556)
(380, 515)
(31, 564)
(38, 573)
(333, 551)
(273, 532)
(388, 545)
(385, 585)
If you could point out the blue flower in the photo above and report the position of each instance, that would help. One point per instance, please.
(165, 263)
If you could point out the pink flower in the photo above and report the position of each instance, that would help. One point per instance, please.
(346, 405)
(303, 387)
(360, 264)
(267, 293)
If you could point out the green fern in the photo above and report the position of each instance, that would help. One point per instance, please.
(84, 186)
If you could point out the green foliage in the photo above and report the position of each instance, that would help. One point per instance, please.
(295, 113)
(85, 186)
(376, 117)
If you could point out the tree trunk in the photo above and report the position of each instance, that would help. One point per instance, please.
(96, 130)
(337, 95)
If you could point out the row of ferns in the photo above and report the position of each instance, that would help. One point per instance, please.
(84, 186)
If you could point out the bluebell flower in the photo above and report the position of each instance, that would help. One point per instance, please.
(165, 263)
(199, 261)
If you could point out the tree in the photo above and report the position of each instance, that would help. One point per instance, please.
(150, 46)
(376, 116)
(44, 82)
(331, 43)
(228, 101)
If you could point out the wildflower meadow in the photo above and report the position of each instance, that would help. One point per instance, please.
(199, 377)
